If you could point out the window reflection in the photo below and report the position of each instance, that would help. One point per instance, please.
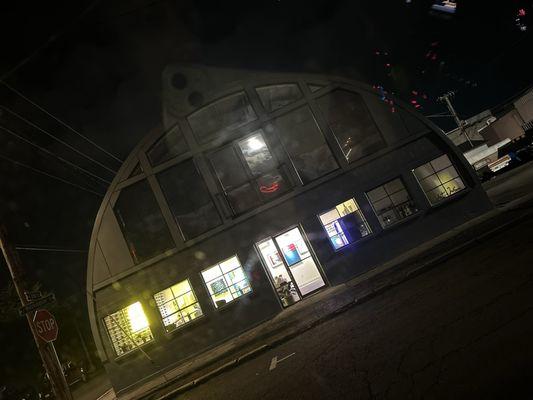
(142, 222)
(305, 144)
(221, 117)
(188, 199)
(277, 96)
(351, 123)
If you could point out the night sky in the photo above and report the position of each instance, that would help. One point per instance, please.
(97, 66)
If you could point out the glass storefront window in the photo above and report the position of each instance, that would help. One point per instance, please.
(171, 145)
(188, 199)
(439, 179)
(305, 144)
(391, 202)
(128, 328)
(221, 117)
(178, 305)
(275, 97)
(226, 281)
(351, 123)
(249, 173)
(142, 222)
(344, 224)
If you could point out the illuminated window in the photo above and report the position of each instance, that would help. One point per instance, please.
(249, 173)
(178, 305)
(128, 328)
(439, 179)
(391, 202)
(226, 281)
(344, 224)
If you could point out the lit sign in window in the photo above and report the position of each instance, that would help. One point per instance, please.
(226, 281)
(178, 305)
(344, 224)
(128, 328)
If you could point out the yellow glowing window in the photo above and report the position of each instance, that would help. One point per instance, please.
(178, 305)
(128, 328)
(439, 179)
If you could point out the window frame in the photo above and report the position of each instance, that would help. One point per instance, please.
(136, 346)
(234, 300)
(361, 239)
(447, 198)
(400, 221)
(186, 324)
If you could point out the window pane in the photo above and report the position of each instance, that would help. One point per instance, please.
(351, 123)
(183, 307)
(142, 223)
(221, 117)
(441, 162)
(128, 328)
(163, 297)
(228, 168)
(305, 144)
(171, 145)
(232, 284)
(243, 198)
(396, 206)
(377, 194)
(344, 224)
(189, 199)
(257, 155)
(277, 96)
(211, 273)
(443, 181)
(181, 288)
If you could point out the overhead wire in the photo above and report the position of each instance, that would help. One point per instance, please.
(71, 164)
(51, 249)
(81, 153)
(64, 124)
(50, 175)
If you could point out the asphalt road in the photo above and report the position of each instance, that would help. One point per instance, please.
(460, 331)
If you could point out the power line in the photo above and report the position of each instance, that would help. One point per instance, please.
(51, 249)
(58, 139)
(60, 121)
(75, 166)
(50, 175)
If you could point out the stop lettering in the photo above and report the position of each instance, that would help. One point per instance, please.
(45, 325)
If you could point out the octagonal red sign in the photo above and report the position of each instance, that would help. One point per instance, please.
(45, 325)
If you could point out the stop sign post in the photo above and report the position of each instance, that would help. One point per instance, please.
(45, 325)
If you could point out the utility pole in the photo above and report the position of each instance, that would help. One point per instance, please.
(46, 350)
(445, 98)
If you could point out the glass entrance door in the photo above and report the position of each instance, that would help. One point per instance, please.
(278, 271)
(301, 263)
(291, 266)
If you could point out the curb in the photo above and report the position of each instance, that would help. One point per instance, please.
(374, 292)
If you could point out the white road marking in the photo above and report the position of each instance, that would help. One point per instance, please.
(274, 362)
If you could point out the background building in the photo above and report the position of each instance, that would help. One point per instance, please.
(260, 190)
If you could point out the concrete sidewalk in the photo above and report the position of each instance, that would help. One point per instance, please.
(330, 302)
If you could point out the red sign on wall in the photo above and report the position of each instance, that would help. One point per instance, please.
(45, 325)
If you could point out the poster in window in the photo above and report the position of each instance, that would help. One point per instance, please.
(290, 252)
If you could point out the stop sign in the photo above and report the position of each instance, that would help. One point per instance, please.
(45, 325)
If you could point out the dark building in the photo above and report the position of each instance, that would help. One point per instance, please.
(260, 190)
